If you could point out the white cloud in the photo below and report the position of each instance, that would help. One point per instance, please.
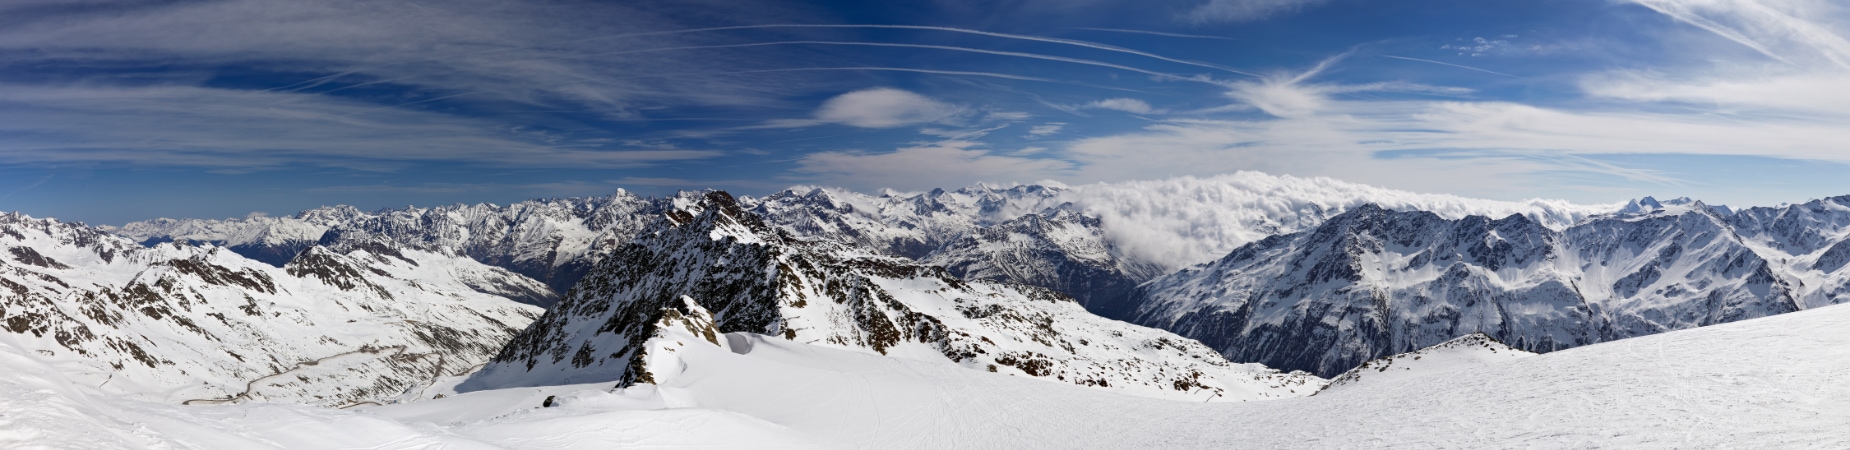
(1292, 96)
(1004, 116)
(1129, 105)
(1218, 11)
(1179, 221)
(884, 108)
(1817, 94)
(923, 167)
(1045, 129)
(1496, 148)
(1786, 30)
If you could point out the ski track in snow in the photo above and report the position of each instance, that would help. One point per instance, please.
(1781, 381)
(252, 384)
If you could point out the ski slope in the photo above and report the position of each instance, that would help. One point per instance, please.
(1781, 381)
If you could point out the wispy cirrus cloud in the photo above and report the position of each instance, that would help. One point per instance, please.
(493, 51)
(250, 130)
(1799, 85)
(1129, 105)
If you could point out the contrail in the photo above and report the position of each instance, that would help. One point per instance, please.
(889, 69)
(1072, 42)
(401, 105)
(311, 82)
(1159, 33)
(1450, 64)
(1079, 43)
(28, 187)
(885, 44)
(885, 69)
(1321, 66)
(369, 83)
(328, 79)
(808, 138)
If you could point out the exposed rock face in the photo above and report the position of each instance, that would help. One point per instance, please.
(366, 322)
(755, 278)
(1372, 282)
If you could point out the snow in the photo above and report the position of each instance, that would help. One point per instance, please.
(1466, 352)
(1770, 382)
(182, 323)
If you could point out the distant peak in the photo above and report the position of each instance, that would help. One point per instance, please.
(1679, 205)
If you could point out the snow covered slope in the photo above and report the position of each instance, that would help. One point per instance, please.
(1770, 382)
(1468, 352)
(362, 322)
(1373, 282)
(716, 256)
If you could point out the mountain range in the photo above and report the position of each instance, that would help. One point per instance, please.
(1257, 276)
(1373, 282)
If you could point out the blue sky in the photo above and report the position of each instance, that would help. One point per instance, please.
(119, 111)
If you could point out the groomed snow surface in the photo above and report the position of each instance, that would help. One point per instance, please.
(1776, 382)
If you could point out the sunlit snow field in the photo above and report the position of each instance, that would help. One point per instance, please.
(1781, 381)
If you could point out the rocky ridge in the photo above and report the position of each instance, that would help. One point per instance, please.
(756, 278)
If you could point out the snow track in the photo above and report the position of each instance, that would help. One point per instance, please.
(397, 350)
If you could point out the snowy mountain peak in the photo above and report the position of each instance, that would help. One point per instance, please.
(679, 325)
(753, 280)
(1651, 206)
